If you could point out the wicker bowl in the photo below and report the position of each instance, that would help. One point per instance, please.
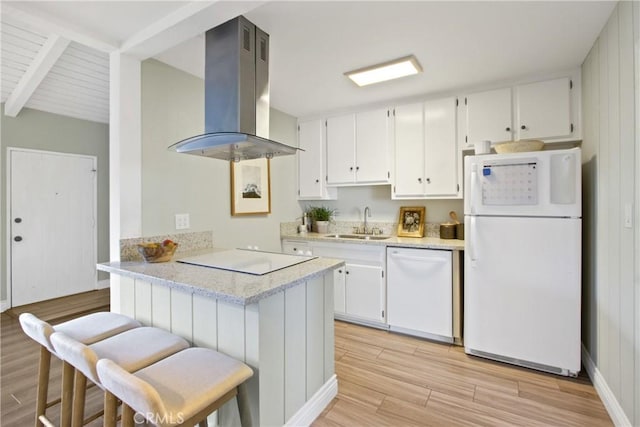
(157, 252)
(518, 146)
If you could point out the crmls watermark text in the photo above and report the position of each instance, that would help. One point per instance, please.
(141, 417)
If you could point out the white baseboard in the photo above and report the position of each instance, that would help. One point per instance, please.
(314, 406)
(4, 306)
(611, 404)
(103, 284)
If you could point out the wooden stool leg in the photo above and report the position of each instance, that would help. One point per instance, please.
(67, 394)
(110, 410)
(243, 405)
(43, 383)
(79, 393)
(127, 415)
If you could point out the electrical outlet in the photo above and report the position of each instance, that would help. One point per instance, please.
(182, 221)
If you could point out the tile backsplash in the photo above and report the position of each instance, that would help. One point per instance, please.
(432, 229)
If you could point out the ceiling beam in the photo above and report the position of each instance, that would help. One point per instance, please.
(46, 58)
(187, 22)
(50, 25)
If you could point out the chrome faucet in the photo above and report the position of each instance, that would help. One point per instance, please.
(366, 211)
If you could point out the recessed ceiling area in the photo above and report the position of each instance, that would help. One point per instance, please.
(459, 45)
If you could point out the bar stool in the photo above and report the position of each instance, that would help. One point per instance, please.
(179, 390)
(87, 329)
(132, 350)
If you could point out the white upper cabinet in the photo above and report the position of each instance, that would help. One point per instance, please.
(312, 162)
(543, 109)
(341, 149)
(488, 116)
(547, 110)
(409, 150)
(358, 148)
(426, 156)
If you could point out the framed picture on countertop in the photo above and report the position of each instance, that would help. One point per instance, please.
(411, 221)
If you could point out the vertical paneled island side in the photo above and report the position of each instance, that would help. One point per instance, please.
(279, 323)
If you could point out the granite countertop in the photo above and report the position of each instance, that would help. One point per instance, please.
(406, 242)
(236, 288)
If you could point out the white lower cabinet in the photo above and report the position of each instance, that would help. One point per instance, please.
(412, 291)
(360, 286)
(365, 292)
(420, 292)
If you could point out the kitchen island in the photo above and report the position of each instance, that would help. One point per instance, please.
(279, 323)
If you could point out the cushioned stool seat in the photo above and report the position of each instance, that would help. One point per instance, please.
(181, 389)
(87, 329)
(131, 350)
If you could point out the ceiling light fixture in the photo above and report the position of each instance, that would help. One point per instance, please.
(390, 70)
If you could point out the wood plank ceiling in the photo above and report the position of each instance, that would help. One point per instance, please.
(72, 82)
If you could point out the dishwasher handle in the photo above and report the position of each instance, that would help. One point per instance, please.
(400, 256)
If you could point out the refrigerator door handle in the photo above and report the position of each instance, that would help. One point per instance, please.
(472, 240)
(474, 188)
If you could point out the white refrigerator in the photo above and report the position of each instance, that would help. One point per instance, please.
(523, 259)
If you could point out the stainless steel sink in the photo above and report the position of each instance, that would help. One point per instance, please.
(356, 236)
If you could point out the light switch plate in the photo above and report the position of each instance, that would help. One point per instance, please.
(628, 215)
(182, 221)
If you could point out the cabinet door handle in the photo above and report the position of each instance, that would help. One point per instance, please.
(523, 127)
(351, 168)
(346, 272)
(339, 271)
(18, 238)
(317, 181)
(508, 129)
(428, 180)
(420, 180)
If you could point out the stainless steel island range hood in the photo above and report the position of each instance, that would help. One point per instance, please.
(236, 96)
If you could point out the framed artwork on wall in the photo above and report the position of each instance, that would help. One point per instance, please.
(411, 221)
(251, 187)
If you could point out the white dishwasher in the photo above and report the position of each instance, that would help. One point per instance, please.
(420, 292)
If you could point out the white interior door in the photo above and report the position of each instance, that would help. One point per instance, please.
(52, 225)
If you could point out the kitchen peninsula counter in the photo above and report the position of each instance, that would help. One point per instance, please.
(229, 286)
(257, 319)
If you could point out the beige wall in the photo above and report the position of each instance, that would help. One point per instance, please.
(611, 315)
(39, 130)
(172, 109)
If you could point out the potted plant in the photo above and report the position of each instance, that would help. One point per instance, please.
(320, 217)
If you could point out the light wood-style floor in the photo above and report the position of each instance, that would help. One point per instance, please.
(387, 379)
(19, 357)
(384, 379)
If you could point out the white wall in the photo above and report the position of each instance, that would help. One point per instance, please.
(611, 315)
(173, 109)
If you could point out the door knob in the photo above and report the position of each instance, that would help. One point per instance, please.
(18, 220)
(18, 238)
